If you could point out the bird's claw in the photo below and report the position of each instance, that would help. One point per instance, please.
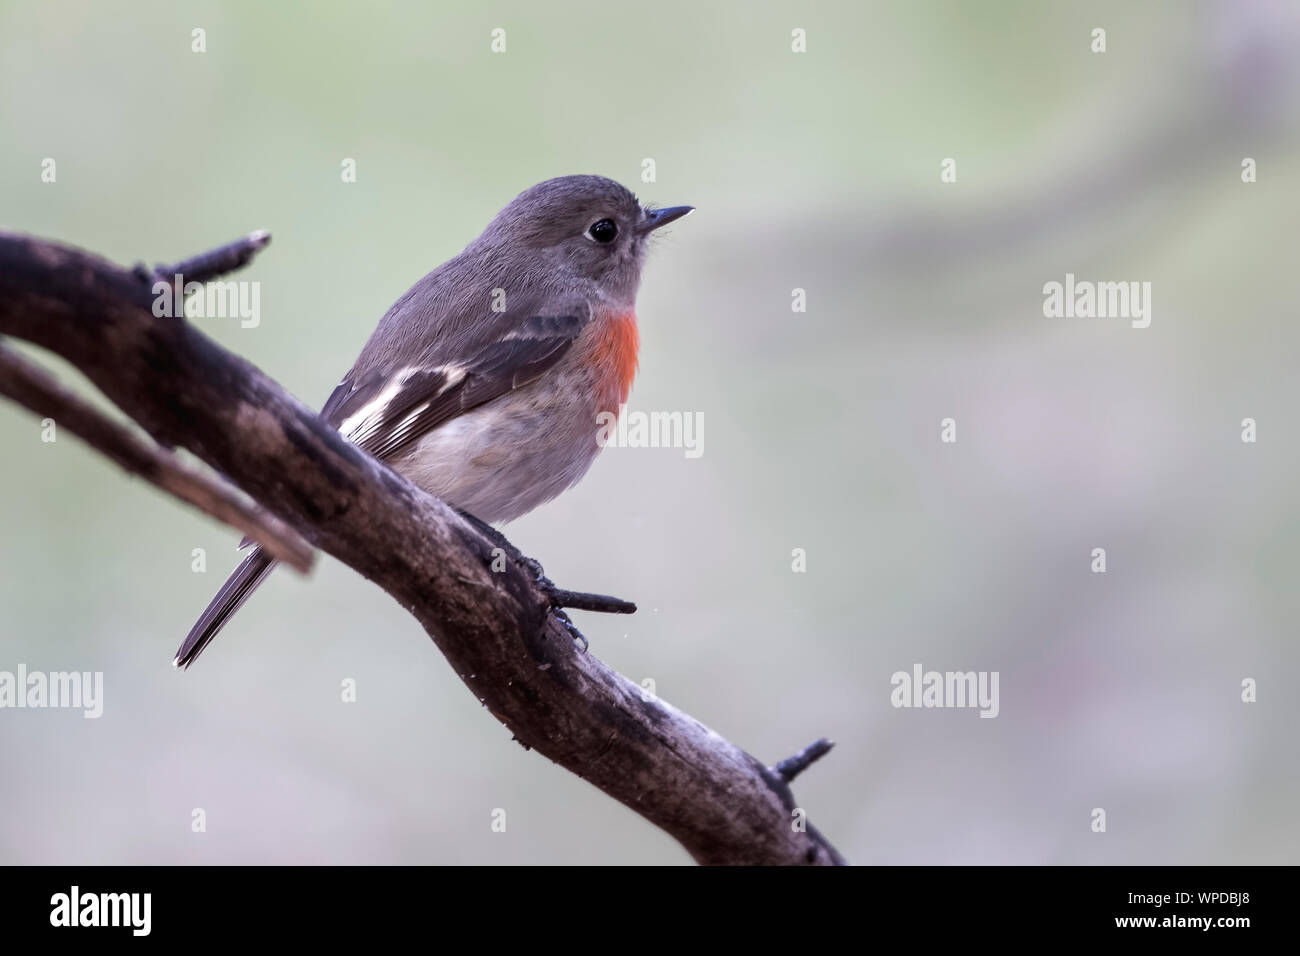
(572, 628)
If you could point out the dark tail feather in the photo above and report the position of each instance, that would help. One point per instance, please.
(250, 573)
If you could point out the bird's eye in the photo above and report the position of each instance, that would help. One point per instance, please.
(603, 231)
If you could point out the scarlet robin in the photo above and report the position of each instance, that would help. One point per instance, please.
(483, 383)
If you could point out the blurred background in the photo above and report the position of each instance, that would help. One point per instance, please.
(816, 170)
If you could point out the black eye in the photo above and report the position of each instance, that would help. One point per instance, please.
(603, 231)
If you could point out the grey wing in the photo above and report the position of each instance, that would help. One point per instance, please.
(384, 410)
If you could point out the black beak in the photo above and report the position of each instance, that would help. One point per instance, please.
(654, 218)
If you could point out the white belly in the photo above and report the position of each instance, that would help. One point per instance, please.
(503, 459)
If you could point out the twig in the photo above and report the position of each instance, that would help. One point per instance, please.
(210, 265)
(791, 767)
(586, 601)
(29, 385)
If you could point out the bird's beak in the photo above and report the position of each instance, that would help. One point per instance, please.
(654, 218)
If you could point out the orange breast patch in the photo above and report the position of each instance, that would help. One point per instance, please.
(614, 352)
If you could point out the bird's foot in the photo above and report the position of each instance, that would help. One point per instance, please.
(577, 600)
(558, 598)
(561, 598)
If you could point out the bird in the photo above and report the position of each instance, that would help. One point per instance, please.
(483, 383)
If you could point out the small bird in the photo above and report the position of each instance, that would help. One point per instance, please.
(482, 384)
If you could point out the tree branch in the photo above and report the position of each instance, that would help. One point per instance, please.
(496, 629)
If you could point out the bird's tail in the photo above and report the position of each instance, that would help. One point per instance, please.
(251, 572)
